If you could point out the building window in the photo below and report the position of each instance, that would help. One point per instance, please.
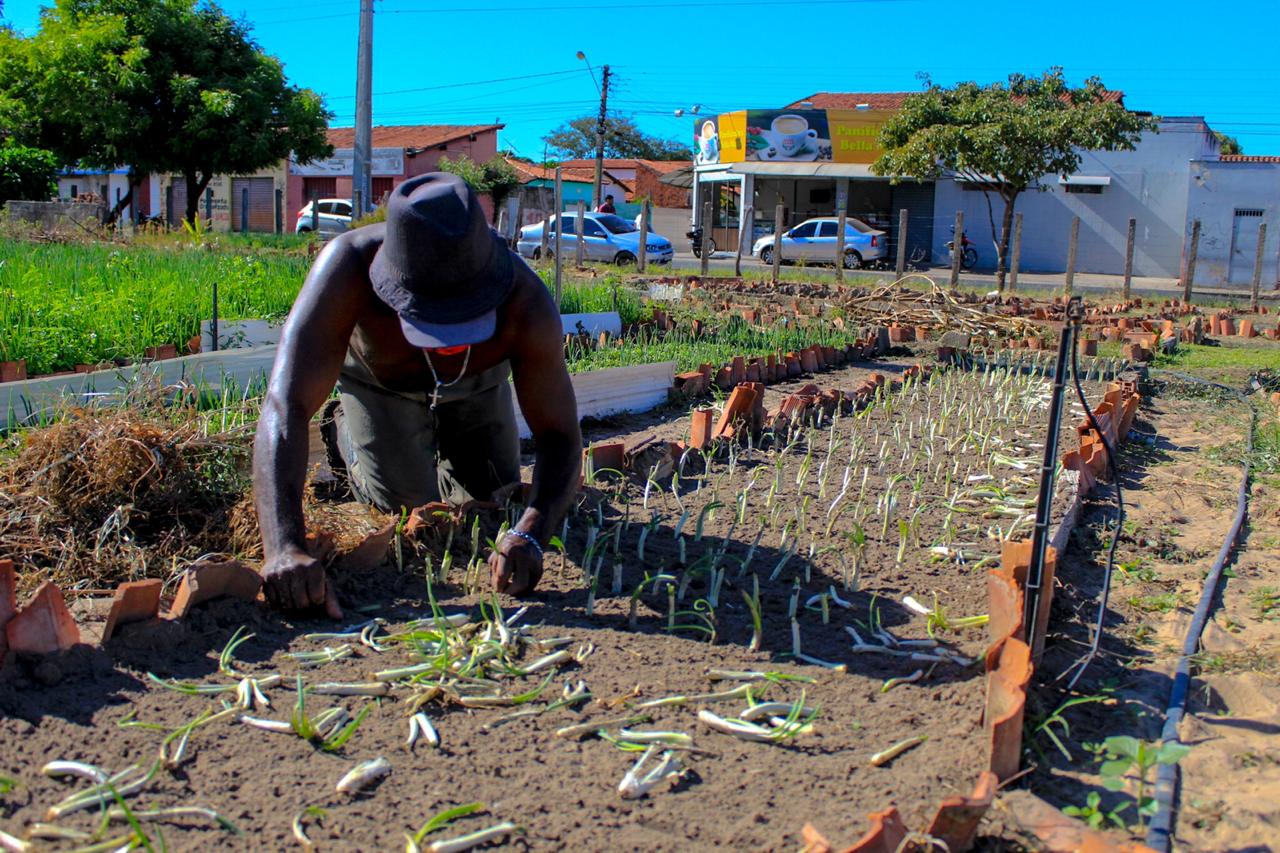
(1255, 212)
(1091, 189)
(820, 196)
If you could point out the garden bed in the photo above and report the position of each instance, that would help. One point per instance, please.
(950, 469)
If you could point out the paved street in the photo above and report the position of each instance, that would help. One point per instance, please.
(723, 262)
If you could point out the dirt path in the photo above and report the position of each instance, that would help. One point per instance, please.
(1180, 498)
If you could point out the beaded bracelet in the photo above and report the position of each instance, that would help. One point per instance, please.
(526, 537)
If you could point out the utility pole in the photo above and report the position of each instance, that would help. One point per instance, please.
(362, 161)
(604, 103)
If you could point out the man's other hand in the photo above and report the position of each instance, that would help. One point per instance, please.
(293, 580)
(516, 567)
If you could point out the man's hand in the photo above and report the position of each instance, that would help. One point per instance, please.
(293, 580)
(516, 567)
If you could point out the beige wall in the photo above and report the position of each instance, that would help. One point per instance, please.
(222, 201)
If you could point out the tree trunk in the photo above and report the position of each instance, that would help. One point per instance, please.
(196, 186)
(125, 201)
(1006, 233)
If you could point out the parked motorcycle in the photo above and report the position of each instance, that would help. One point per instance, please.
(969, 255)
(697, 242)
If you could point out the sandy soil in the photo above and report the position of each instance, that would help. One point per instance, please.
(735, 795)
(1180, 498)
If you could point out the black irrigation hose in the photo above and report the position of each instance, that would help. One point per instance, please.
(1159, 832)
(1083, 664)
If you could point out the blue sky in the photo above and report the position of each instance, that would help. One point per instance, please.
(477, 61)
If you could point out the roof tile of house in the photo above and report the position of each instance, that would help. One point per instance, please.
(1249, 158)
(883, 100)
(409, 135)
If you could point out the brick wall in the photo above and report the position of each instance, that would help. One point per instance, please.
(660, 195)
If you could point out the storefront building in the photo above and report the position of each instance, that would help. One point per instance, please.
(814, 159)
(812, 162)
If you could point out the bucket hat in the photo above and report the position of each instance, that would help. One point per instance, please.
(441, 267)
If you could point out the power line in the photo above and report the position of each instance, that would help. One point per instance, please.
(456, 85)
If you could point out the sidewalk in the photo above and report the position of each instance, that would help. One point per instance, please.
(1036, 283)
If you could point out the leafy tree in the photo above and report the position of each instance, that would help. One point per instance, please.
(26, 173)
(162, 86)
(1228, 144)
(1005, 137)
(496, 177)
(576, 140)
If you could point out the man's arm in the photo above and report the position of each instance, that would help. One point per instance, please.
(546, 400)
(313, 344)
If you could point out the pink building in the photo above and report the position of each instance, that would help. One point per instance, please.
(399, 152)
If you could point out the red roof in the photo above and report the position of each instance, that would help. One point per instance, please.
(885, 100)
(1249, 158)
(409, 135)
(851, 100)
(533, 172)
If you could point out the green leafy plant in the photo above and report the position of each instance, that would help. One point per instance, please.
(1094, 815)
(1128, 760)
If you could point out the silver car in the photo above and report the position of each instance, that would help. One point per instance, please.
(333, 216)
(814, 241)
(606, 237)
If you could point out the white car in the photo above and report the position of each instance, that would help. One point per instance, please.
(334, 217)
(814, 241)
(605, 237)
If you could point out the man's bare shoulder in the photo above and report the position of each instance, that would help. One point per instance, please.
(530, 301)
(363, 243)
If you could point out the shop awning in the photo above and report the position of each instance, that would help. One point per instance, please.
(1085, 180)
(682, 177)
(804, 170)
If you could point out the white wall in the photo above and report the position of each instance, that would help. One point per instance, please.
(1216, 190)
(1148, 183)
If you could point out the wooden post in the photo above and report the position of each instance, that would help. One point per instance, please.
(957, 249)
(1189, 275)
(315, 214)
(1016, 251)
(901, 268)
(706, 237)
(579, 229)
(515, 222)
(744, 234)
(546, 220)
(1128, 259)
(643, 256)
(559, 201)
(1069, 281)
(840, 226)
(1257, 266)
(778, 213)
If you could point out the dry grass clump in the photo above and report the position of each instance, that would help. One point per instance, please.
(102, 496)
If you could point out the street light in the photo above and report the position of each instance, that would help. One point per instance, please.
(604, 101)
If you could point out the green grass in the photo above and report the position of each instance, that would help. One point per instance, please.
(68, 304)
(1197, 358)
(734, 337)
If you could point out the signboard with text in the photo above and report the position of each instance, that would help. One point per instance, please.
(791, 136)
(386, 161)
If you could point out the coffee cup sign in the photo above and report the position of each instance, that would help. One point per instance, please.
(708, 143)
(792, 133)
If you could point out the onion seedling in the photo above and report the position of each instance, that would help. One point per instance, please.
(906, 679)
(299, 831)
(636, 784)
(741, 691)
(440, 821)
(884, 757)
(226, 658)
(363, 775)
(420, 726)
(475, 839)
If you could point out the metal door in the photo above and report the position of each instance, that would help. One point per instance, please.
(917, 198)
(261, 198)
(178, 203)
(1244, 244)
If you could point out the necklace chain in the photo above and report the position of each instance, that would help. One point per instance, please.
(435, 391)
